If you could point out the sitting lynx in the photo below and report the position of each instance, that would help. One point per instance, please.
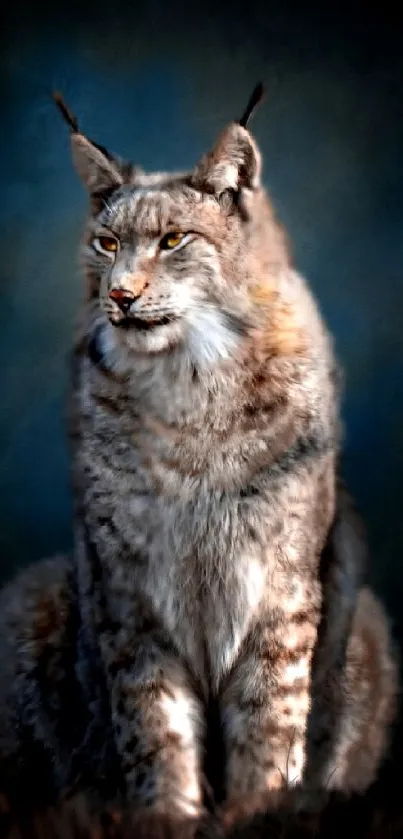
(217, 559)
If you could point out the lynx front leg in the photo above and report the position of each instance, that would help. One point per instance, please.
(265, 710)
(158, 728)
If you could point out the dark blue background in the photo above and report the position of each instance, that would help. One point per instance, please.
(156, 84)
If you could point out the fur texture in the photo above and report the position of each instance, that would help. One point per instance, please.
(217, 562)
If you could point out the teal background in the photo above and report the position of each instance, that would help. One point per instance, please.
(156, 83)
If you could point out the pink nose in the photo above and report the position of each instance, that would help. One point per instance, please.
(123, 297)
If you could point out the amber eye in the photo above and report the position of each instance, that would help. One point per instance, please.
(171, 240)
(106, 243)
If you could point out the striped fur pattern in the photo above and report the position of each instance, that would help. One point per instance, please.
(217, 561)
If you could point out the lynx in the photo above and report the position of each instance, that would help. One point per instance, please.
(217, 558)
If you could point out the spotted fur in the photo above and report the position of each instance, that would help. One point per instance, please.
(216, 562)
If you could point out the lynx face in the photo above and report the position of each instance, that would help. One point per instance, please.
(173, 257)
(164, 256)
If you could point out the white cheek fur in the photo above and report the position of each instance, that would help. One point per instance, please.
(210, 340)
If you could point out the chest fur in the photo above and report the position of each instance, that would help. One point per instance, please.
(209, 559)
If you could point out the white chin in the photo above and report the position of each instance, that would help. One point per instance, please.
(156, 339)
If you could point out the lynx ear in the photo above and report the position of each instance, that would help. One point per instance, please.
(232, 164)
(235, 161)
(96, 167)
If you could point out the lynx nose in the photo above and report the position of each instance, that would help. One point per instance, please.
(123, 297)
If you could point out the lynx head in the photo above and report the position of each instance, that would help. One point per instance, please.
(174, 259)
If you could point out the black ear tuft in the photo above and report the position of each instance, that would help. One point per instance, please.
(234, 164)
(72, 121)
(255, 100)
(100, 172)
(65, 111)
